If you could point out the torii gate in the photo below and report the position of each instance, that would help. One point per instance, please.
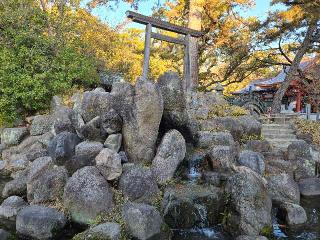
(190, 68)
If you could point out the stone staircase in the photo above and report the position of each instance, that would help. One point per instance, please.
(280, 136)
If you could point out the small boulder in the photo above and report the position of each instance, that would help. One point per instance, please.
(17, 186)
(138, 184)
(143, 221)
(38, 167)
(252, 160)
(62, 147)
(13, 136)
(310, 187)
(113, 142)
(222, 158)
(92, 131)
(282, 188)
(41, 124)
(260, 146)
(249, 204)
(109, 164)
(292, 213)
(87, 194)
(299, 149)
(111, 122)
(250, 125)
(170, 154)
(9, 210)
(207, 139)
(62, 120)
(4, 235)
(47, 187)
(40, 222)
(104, 231)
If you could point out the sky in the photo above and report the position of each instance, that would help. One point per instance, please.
(116, 15)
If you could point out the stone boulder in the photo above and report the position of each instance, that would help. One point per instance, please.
(299, 150)
(92, 130)
(17, 186)
(38, 167)
(38, 222)
(87, 194)
(245, 237)
(62, 120)
(310, 187)
(104, 231)
(170, 154)
(143, 221)
(222, 158)
(252, 160)
(9, 210)
(249, 203)
(109, 164)
(207, 139)
(139, 185)
(47, 187)
(62, 147)
(230, 124)
(191, 206)
(292, 213)
(260, 146)
(94, 103)
(13, 136)
(85, 153)
(282, 188)
(141, 121)
(41, 124)
(4, 235)
(250, 125)
(111, 122)
(114, 142)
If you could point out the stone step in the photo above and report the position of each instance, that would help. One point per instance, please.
(279, 136)
(281, 143)
(276, 126)
(277, 131)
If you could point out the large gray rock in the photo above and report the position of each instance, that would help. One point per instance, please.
(299, 149)
(230, 124)
(141, 121)
(38, 167)
(143, 221)
(207, 139)
(111, 122)
(138, 184)
(114, 142)
(260, 146)
(62, 120)
(250, 125)
(38, 222)
(62, 147)
(104, 231)
(85, 153)
(310, 187)
(252, 160)
(222, 158)
(9, 210)
(293, 214)
(17, 186)
(87, 194)
(109, 164)
(94, 103)
(47, 187)
(249, 203)
(4, 235)
(41, 124)
(191, 206)
(92, 130)
(170, 154)
(282, 188)
(13, 136)
(245, 237)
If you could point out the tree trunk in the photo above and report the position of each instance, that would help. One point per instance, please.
(276, 104)
(194, 22)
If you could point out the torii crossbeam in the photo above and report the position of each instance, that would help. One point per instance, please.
(191, 70)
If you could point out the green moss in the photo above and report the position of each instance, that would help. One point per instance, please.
(267, 231)
(245, 138)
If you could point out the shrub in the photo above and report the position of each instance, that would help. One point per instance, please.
(309, 127)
